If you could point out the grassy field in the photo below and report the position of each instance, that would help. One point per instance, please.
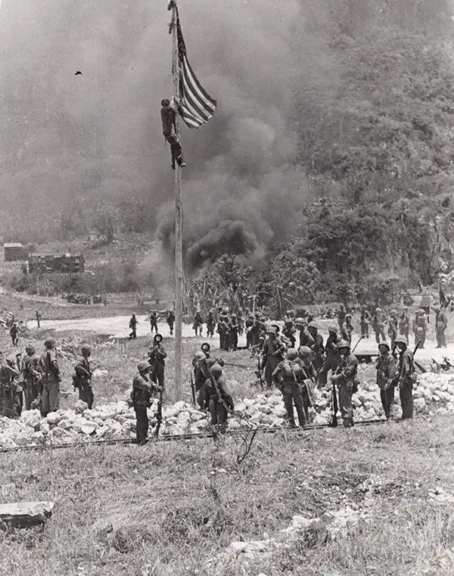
(166, 508)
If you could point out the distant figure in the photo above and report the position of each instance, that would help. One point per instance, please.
(82, 377)
(365, 321)
(198, 322)
(171, 320)
(14, 334)
(50, 398)
(168, 116)
(441, 323)
(154, 321)
(38, 318)
(156, 359)
(133, 325)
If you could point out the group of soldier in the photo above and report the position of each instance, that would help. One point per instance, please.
(399, 324)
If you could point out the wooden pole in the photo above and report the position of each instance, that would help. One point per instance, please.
(178, 219)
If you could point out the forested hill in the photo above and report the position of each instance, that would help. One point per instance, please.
(332, 144)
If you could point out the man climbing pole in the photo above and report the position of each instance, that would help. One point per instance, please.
(168, 114)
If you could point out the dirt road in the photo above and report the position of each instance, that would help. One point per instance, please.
(117, 327)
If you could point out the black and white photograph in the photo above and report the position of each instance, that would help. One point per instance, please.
(226, 288)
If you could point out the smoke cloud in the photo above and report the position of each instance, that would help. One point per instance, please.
(72, 140)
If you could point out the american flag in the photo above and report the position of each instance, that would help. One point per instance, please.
(197, 106)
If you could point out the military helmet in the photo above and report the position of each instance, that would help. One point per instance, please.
(304, 351)
(313, 325)
(11, 359)
(165, 102)
(348, 315)
(216, 370)
(199, 355)
(277, 327)
(30, 349)
(333, 329)
(271, 330)
(292, 354)
(393, 312)
(205, 347)
(157, 338)
(233, 315)
(299, 320)
(401, 340)
(383, 343)
(49, 342)
(142, 366)
(344, 344)
(378, 309)
(86, 349)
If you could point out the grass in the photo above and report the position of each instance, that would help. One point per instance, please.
(172, 506)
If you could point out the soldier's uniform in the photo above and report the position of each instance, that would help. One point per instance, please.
(420, 328)
(233, 333)
(346, 378)
(48, 361)
(218, 397)
(32, 377)
(171, 321)
(82, 378)
(290, 377)
(197, 325)
(141, 393)
(386, 374)
(365, 322)
(168, 118)
(272, 354)
(157, 356)
(154, 321)
(441, 323)
(133, 325)
(393, 327)
(318, 349)
(332, 356)
(378, 326)
(347, 329)
(289, 332)
(406, 378)
(8, 375)
(305, 337)
(211, 324)
(404, 324)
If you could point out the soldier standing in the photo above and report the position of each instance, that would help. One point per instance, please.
(332, 356)
(406, 377)
(154, 321)
(318, 348)
(404, 323)
(198, 323)
(142, 390)
(386, 374)
(171, 320)
(211, 324)
(38, 318)
(393, 327)
(346, 379)
(8, 375)
(289, 376)
(82, 377)
(347, 328)
(420, 328)
(379, 326)
(32, 376)
(341, 316)
(441, 323)
(51, 378)
(218, 398)
(365, 322)
(156, 358)
(289, 332)
(233, 333)
(14, 334)
(272, 353)
(133, 326)
(305, 338)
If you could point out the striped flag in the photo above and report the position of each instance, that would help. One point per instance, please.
(197, 106)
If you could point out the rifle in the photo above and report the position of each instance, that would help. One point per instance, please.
(334, 423)
(237, 365)
(417, 364)
(159, 413)
(192, 388)
(356, 345)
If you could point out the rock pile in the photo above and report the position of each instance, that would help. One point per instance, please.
(433, 394)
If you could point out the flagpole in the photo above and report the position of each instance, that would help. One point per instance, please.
(178, 219)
